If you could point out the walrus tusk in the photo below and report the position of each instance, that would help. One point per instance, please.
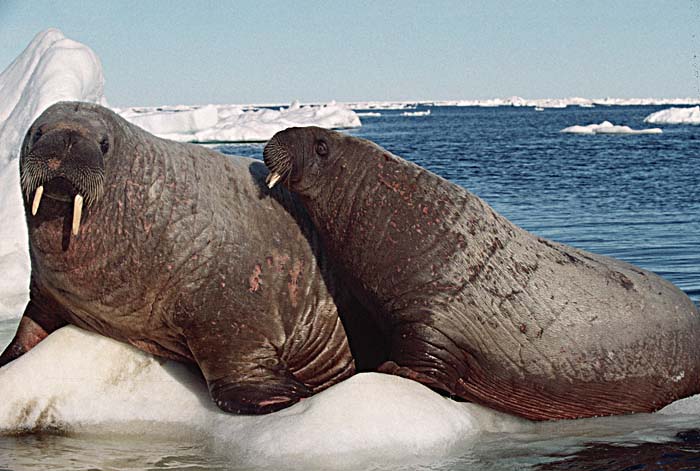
(77, 213)
(272, 179)
(37, 199)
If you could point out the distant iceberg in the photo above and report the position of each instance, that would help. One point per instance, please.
(384, 105)
(606, 127)
(675, 116)
(236, 123)
(416, 113)
(517, 101)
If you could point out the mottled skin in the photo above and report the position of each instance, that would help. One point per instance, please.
(477, 307)
(184, 255)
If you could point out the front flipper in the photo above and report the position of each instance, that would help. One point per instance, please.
(245, 376)
(423, 353)
(34, 327)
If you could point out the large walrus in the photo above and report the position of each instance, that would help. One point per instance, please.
(475, 306)
(179, 251)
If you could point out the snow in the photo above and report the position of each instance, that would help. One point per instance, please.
(236, 123)
(606, 127)
(675, 116)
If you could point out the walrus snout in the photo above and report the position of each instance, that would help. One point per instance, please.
(277, 160)
(65, 165)
(286, 153)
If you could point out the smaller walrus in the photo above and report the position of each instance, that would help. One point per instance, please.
(477, 307)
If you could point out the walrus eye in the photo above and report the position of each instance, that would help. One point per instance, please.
(37, 136)
(104, 145)
(322, 148)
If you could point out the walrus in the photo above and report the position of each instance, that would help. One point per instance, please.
(177, 250)
(476, 307)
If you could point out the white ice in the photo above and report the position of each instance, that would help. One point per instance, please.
(606, 127)
(416, 113)
(86, 383)
(236, 123)
(675, 116)
(517, 101)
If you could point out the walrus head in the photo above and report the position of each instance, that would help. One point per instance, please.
(297, 152)
(63, 158)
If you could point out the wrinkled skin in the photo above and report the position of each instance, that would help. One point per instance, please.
(182, 253)
(472, 305)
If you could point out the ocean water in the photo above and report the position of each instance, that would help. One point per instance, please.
(634, 197)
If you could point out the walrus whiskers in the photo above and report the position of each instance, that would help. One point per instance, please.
(277, 160)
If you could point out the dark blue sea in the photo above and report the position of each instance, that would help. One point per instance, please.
(633, 197)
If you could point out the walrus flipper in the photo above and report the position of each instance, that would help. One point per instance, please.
(249, 378)
(34, 326)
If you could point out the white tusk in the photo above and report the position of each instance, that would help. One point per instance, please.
(37, 199)
(77, 213)
(272, 179)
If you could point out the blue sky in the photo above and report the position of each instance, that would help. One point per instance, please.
(195, 52)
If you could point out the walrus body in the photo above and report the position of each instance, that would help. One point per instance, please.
(477, 307)
(173, 255)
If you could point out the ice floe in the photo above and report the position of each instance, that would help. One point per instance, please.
(517, 101)
(416, 113)
(606, 127)
(81, 382)
(236, 123)
(675, 116)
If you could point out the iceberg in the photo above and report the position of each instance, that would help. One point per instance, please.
(606, 127)
(675, 116)
(416, 113)
(385, 105)
(517, 101)
(236, 123)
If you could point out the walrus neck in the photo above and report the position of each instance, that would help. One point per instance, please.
(379, 212)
